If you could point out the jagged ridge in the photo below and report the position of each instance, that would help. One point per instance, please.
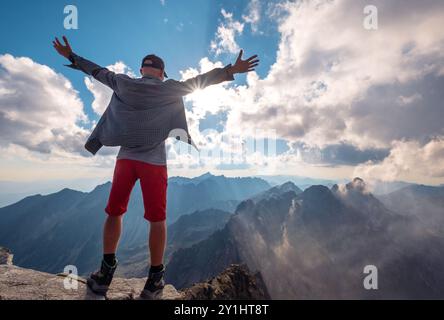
(235, 282)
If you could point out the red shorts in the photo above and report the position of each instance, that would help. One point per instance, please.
(153, 181)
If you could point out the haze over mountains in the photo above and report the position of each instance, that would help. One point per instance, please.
(311, 243)
(316, 243)
(13, 191)
(423, 202)
(186, 231)
(48, 232)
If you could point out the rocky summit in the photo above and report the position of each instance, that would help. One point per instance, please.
(235, 282)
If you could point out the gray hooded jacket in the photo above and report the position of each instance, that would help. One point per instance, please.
(143, 111)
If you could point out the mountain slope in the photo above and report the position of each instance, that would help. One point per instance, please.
(49, 232)
(208, 191)
(316, 244)
(187, 230)
(426, 203)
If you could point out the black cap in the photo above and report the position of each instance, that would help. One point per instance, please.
(154, 61)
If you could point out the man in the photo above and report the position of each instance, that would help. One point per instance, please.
(142, 113)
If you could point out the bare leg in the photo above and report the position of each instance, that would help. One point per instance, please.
(157, 242)
(111, 234)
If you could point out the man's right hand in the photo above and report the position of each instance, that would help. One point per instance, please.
(61, 49)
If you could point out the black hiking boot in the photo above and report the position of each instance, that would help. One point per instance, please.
(100, 280)
(154, 285)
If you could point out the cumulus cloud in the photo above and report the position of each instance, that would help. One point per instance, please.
(212, 100)
(410, 161)
(338, 93)
(102, 94)
(336, 84)
(327, 64)
(226, 34)
(39, 109)
(253, 16)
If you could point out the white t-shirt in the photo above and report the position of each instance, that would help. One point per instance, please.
(156, 155)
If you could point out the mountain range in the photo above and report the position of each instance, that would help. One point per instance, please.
(311, 243)
(49, 232)
(425, 203)
(315, 244)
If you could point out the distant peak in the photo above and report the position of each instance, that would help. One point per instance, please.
(357, 184)
(358, 180)
(205, 175)
(65, 191)
(317, 189)
(318, 193)
(289, 186)
(102, 186)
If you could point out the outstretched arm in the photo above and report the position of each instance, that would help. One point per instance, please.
(102, 74)
(214, 76)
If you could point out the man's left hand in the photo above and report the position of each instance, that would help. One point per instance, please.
(243, 66)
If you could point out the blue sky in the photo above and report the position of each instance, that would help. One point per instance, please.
(178, 31)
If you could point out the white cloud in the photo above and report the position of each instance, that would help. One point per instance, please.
(336, 83)
(102, 94)
(226, 34)
(327, 63)
(39, 109)
(211, 100)
(333, 83)
(254, 15)
(408, 161)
